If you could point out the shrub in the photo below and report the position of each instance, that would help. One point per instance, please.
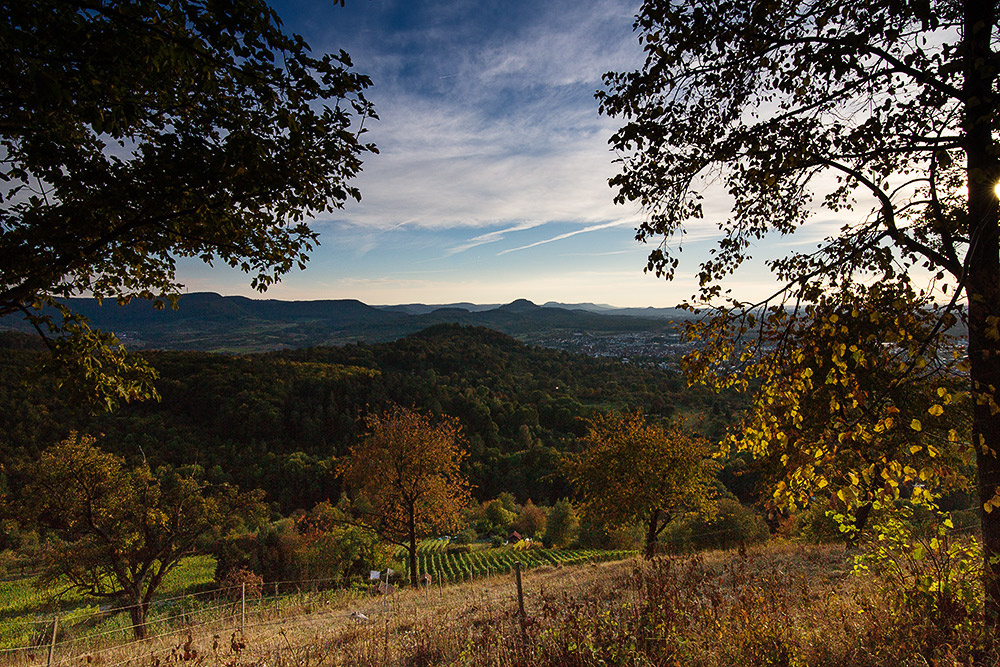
(531, 520)
(733, 525)
(598, 535)
(930, 573)
(242, 581)
(815, 524)
(562, 525)
(234, 553)
(467, 536)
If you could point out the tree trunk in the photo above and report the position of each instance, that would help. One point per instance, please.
(652, 532)
(411, 525)
(860, 521)
(982, 280)
(138, 612)
(984, 357)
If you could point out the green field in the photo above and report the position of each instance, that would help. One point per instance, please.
(26, 612)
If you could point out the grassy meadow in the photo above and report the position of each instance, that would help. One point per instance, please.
(190, 598)
(780, 604)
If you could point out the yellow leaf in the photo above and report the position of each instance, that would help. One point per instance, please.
(915, 448)
(935, 410)
(915, 425)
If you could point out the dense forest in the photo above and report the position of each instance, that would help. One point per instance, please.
(278, 421)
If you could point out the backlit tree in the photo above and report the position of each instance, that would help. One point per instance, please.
(784, 107)
(134, 134)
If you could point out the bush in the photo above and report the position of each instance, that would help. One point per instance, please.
(595, 534)
(458, 548)
(242, 581)
(931, 572)
(235, 553)
(530, 521)
(467, 536)
(562, 525)
(732, 526)
(814, 525)
(283, 552)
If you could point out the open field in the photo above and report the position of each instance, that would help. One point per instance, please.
(189, 598)
(777, 605)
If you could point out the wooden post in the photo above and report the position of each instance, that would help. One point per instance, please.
(385, 649)
(520, 602)
(243, 607)
(52, 645)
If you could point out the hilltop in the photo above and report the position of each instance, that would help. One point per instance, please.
(205, 321)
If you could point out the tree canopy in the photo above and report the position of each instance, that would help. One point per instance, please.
(120, 530)
(638, 472)
(407, 468)
(785, 107)
(135, 134)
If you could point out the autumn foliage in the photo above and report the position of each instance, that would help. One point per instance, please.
(407, 467)
(635, 471)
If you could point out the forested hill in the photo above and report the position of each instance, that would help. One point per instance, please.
(209, 322)
(277, 420)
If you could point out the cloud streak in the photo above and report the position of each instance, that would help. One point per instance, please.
(560, 237)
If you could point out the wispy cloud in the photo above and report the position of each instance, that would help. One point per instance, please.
(489, 237)
(560, 237)
(487, 124)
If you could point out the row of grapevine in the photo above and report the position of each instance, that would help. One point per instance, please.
(443, 566)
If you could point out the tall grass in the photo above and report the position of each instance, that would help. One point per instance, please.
(777, 606)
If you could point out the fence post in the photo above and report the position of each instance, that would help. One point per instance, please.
(520, 602)
(52, 645)
(243, 607)
(385, 649)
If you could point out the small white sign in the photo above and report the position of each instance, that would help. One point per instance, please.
(374, 575)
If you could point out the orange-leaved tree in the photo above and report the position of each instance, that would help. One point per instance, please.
(407, 466)
(637, 471)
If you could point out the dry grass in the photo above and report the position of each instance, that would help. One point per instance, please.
(778, 605)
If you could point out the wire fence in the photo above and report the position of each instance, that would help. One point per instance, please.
(177, 614)
(272, 618)
(204, 617)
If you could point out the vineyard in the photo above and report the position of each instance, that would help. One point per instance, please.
(434, 557)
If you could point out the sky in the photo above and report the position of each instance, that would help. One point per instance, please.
(492, 179)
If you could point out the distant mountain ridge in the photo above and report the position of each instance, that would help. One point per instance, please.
(210, 322)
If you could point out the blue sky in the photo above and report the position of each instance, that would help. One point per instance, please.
(491, 184)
